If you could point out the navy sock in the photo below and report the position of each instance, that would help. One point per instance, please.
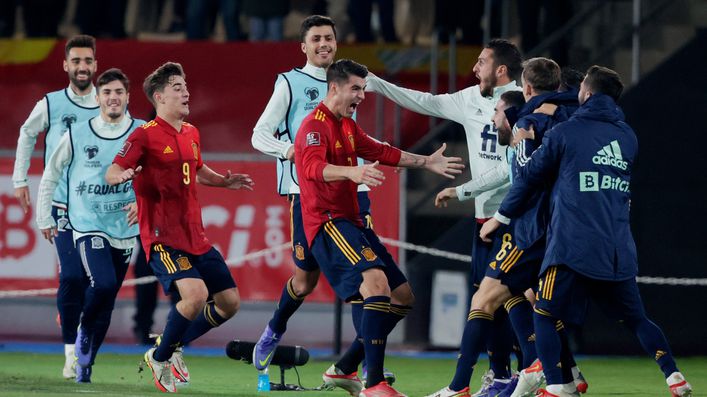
(520, 312)
(174, 330)
(500, 345)
(286, 307)
(354, 355)
(373, 327)
(476, 332)
(566, 357)
(548, 346)
(203, 323)
(654, 343)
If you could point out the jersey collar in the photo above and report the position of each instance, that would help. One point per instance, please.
(315, 71)
(88, 100)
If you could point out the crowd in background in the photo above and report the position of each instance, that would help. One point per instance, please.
(360, 21)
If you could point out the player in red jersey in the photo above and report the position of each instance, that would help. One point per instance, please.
(164, 159)
(326, 147)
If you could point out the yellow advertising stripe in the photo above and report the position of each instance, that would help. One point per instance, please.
(342, 243)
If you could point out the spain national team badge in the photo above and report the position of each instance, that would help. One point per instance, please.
(195, 149)
(183, 263)
(299, 252)
(369, 254)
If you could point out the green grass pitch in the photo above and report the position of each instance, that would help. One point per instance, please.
(23, 374)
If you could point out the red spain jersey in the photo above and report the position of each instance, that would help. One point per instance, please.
(168, 208)
(322, 140)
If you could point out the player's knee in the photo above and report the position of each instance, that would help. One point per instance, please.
(304, 286)
(229, 303)
(402, 295)
(374, 283)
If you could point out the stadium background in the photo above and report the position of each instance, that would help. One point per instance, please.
(230, 82)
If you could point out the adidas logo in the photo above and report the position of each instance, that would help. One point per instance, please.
(479, 112)
(338, 145)
(167, 150)
(610, 155)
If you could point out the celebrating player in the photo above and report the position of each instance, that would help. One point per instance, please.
(590, 249)
(326, 147)
(164, 159)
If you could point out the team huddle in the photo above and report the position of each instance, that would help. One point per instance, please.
(551, 195)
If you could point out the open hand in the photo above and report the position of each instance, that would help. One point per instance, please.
(448, 167)
(237, 181)
(367, 174)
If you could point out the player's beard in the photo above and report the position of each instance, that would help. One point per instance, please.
(80, 84)
(488, 85)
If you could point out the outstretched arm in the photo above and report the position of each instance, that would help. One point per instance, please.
(437, 162)
(446, 106)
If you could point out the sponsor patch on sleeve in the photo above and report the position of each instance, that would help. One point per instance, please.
(313, 139)
(124, 150)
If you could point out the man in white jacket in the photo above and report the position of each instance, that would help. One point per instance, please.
(497, 68)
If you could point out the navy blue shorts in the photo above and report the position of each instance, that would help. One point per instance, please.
(481, 255)
(170, 264)
(344, 251)
(70, 267)
(301, 254)
(564, 294)
(516, 269)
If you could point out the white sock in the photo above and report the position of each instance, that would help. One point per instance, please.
(575, 372)
(554, 389)
(504, 381)
(675, 377)
(69, 349)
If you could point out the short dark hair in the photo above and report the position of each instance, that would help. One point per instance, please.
(571, 78)
(315, 20)
(80, 41)
(543, 74)
(111, 75)
(513, 98)
(158, 79)
(508, 54)
(601, 80)
(340, 71)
